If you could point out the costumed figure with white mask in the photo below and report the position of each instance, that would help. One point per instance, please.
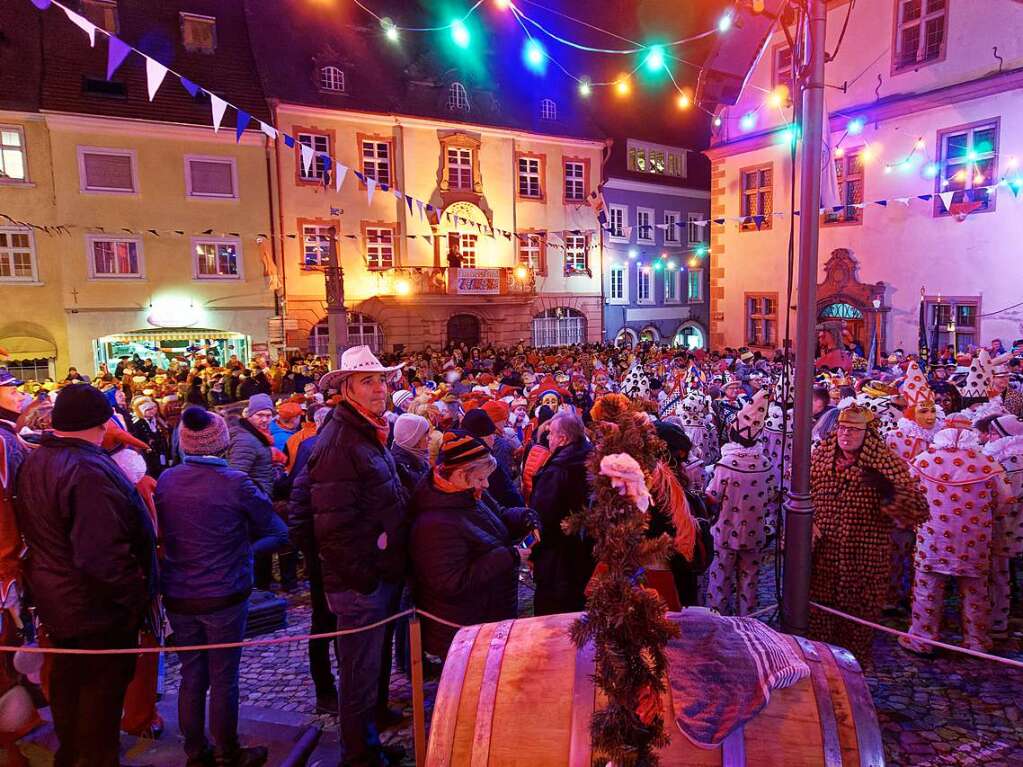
(727, 407)
(777, 435)
(697, 419)
(742, 486)
(1005, 445)
(964, 487)
(986, 381)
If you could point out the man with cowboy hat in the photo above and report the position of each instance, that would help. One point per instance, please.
(351, 496)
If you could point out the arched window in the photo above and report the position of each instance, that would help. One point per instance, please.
(559, 327)
(332, 78)
(650, 333)
(362, 330)
(689, 336)
(548, 110)
(458, 99)
(626, 337)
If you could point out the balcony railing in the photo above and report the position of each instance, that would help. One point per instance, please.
(490, 281)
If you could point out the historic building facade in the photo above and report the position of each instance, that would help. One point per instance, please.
(925, 144)
(655, 247)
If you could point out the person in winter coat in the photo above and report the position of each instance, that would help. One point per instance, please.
(411, 449)
(562, 564)
(251, 444)
(287, 423)
(149, 427)
(91, 571)
(464, 555)
(213, 519)
(350, 504)
(1004, 442)
(477, 423)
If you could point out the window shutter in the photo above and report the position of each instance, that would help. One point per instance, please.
(214, 179)
(108, 171)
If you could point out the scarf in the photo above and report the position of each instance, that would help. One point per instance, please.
(446, 486)
(377, 422)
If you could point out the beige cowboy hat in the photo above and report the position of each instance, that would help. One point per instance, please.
(357, 359)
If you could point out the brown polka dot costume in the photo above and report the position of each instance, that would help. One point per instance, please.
(851, 556)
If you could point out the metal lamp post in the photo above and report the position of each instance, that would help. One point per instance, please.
(337, 317)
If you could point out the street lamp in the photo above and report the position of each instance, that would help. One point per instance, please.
(877, 330)
(951, 328)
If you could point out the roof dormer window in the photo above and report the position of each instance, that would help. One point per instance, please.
(458, 99)
(332, 79)
(548, 110)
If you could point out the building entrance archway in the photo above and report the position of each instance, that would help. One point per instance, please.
(464, 329)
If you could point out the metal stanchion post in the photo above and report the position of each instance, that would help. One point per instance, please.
(418, 705)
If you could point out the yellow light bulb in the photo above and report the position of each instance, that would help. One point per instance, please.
(839, 152)
(684, 102)
(622, 86)
(521, 273)
(778, 96)
(960, 176)
(867, 154)
(402, 287)
(921, 144)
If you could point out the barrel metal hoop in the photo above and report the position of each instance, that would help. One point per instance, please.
(488, 694)
(825, 706)
(868, 731)
(449, 693)
(580, 747)
(733, 748)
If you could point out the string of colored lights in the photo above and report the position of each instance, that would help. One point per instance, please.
(389, 25)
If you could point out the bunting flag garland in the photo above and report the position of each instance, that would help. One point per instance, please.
(218, 106)
(307, 158)
(85, 25)
(155, 72)
(371, 186)
(946, 199)
(340, 171)
(241, 124)
(117, 52)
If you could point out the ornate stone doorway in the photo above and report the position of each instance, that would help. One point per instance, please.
(849, 309)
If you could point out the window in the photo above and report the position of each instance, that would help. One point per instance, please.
(672, 283)
(465, 245)
(919, 32)
(618, 219)
(315, 244)
(656, 161)
(318, 167)
(761, 319)
(107, 170)
(637, 159)
(953, 321)
(757, 191)
(376, 160)
(695, 233)
(210, 177)
(576, 248)
(529, 178)
(695, 286)
(458, 99)
(617, 285)
(533, 252)
(575, 181)
(459, 168)
(968, 164)
(216, 259)
(559, 327)
(379, 247)
(30, 370)
(782, 75)
(645, 225)
(102, 13)
(671, 233)
(115, 257)
(17, 256)
(199, 33)
(849, 173)
(644, 285)
(332, 79)
(676, 164)
(12, 154)
(548, 110)
(363, 330)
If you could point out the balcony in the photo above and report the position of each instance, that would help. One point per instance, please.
(451, 282)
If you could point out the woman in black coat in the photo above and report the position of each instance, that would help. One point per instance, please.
(464, 554)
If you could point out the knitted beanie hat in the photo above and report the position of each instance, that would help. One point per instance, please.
(459, 448)
(203, 432)
(497, 410)
(409, 429)
(477, 423)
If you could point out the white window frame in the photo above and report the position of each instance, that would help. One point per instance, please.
(83, 180)
(548, 109)
(458, 98)
(576, 254)
(530, 175)
(203, 19)
(672, 230)
(698, 297)
(611, 210)
(318, 167)
(369, 149)
(223, 160)
(694, 233)
(650, 237)
(550, 330)
(8, 253)
(673, 278)
(623, 273)
(331, 75)
(680, 157)
(468, 248)
(90, 241)
(375, 250)
(22, 148)
(197, 241)
(532, 252)
(577, 180)
(898, 65)
(945, 164)
(365, 330)
(459, 159)
(320, 233)
(644, 277)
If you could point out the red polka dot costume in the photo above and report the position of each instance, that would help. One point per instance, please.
(1007, 524)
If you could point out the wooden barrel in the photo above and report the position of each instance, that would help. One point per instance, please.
(519, 693)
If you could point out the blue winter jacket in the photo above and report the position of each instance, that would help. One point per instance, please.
(212, 519)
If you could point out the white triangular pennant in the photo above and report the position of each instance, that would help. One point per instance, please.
(82, 23)
(903, 200)
(400, 195)
(218, 106)
(419, 204)
(946, 199)
(307, 158)
(155, 72)
(340, 171)
(269, 130)
(371, 186)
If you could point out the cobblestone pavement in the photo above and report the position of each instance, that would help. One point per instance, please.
(949, 710)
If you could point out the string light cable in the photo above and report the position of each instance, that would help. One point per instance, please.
(449, 25)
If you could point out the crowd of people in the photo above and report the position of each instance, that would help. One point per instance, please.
(144, 505)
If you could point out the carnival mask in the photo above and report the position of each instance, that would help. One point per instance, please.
(926, 415)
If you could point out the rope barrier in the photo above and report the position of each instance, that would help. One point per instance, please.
(228, 645)
(918, 638)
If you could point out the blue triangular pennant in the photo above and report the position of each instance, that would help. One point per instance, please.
(327, 161)
(925, 197)
(188, 85)
(117, 52)
(289, 141)
(719, 221)
(758, 220)
(882, 203)
(408, 201)
(42, 5)
(241, 124)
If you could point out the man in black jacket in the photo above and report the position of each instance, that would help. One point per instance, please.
(90, 572)
(360, 530)
(562, 564)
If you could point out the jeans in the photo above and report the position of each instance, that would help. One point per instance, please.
(86, 698)
(365, 668)
(215, 671)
